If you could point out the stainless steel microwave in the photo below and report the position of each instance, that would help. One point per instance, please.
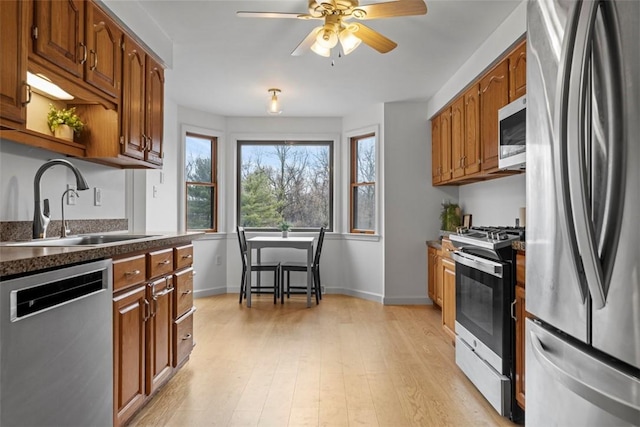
(512, 132)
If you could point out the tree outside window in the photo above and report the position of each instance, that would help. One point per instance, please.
(201, 177)
(363, 185)
(285, 181)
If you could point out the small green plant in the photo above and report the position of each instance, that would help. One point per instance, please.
(284, 226)
(65, 116)
(450, 216)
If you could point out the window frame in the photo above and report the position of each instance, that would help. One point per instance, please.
(213, 184)
(354, 183)
(321, 141)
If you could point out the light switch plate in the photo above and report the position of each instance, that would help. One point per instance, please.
(97, 196)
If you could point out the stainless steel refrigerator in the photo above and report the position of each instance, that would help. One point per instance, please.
(583, 213)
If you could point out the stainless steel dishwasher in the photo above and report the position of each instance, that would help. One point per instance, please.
(56, 357)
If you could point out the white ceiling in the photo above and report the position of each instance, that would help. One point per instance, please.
(224, 65)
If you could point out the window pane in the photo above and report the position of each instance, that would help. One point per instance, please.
(198, 159)
(290, 182)
(364, 204)
(366, 160)
(200, 207)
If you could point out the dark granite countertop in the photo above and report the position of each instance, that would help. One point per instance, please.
(435, 244)
(519, 246)
(24, 259)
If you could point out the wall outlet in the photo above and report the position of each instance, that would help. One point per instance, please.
(218, 260)
(155, 191)
(71, 196)
(97, 196)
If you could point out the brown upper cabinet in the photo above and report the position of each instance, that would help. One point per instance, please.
(494, 94)
(142, 105)
(518, 72)
(79, 47)
(78, 37)
(13, 67)
(472, 137)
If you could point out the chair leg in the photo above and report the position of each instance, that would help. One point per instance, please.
(281, 286)
(315, 285)
(275, 286)
(288, 283)
(242, 285)
(319, 284)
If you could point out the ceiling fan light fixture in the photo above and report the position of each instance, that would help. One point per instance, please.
(348, 41)
(320, 50)
(327, 38)
(274, 107)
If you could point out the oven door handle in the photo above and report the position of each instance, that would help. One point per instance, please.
(484, 265)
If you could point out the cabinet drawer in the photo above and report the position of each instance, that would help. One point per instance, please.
(183, 338)
(128, 272)
(184, 291)
(160, 262)
(520, 268)
(183, 256)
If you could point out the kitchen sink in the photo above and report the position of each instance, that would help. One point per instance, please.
(86, 240)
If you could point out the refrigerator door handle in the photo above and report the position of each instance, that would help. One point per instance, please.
(559, 157)
(629, 411)
(580, 98)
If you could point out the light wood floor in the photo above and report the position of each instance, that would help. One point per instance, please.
(344, 362)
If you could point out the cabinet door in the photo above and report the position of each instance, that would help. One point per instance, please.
(159, 330)
(494, 94)
(130, 310)
(432, 253)
(518, 72)
(439, 280)
(104, 44)
(449, 296)
(154, 112)
(13, 67)
(133, 100)
(520, 345)
(436, 159)
(457, 138)
(445, 145)
(59, 34)
(472, 131)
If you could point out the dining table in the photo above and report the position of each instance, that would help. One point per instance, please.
(262, 242)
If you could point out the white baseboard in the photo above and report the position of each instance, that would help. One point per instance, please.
(369, 296)
(210, 292)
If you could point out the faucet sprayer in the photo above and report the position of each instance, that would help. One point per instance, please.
(41, 219)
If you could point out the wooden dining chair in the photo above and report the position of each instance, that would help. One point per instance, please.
(288, 267)
(259, 267)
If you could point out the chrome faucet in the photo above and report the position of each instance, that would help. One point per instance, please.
(64, 230)
(41, 218)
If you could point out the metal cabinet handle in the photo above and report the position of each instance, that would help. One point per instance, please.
(187, 292)
(146, 312)
(132, 273)
(143, 146)
(165, 262)
(186, 337)
(187, 256)
(513, 310)
(95, 59)
(84, 53)
(28, 86)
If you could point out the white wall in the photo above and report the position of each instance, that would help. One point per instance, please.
(18, 166)
(412, 204)
(495, 202)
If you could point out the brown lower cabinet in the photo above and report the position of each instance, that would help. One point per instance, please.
(442, 283)
(153, 324)
(521, 315)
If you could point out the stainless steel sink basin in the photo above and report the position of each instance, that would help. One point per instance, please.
(88, 240)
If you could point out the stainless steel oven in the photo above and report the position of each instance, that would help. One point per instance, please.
(485, 289)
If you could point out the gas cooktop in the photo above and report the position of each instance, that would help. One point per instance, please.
(491, 237)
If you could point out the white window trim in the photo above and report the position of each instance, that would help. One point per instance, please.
(232, 198)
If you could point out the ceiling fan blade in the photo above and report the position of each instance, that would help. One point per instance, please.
(372, 38)
(306, 44)
(392, 8)
(245, 14)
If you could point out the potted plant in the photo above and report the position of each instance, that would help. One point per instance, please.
(64, 122)
(284, 226)
(450, 216)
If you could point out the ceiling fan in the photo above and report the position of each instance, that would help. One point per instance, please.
(337, 15)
